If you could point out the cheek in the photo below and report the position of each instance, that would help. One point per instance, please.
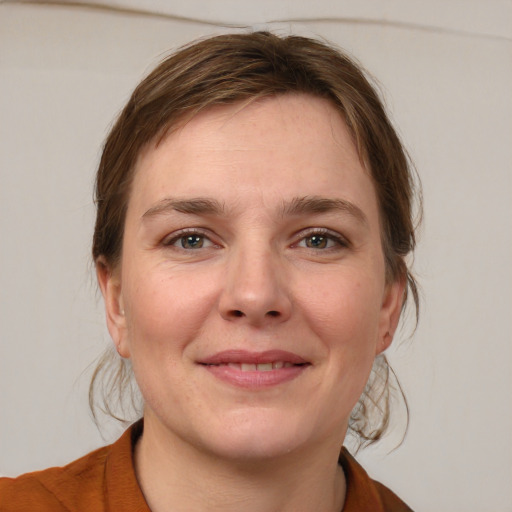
(343, 306)
(344, 315)
(165, 313)
(166, 310)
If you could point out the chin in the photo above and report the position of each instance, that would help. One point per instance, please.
(242, 448)
(257, 437)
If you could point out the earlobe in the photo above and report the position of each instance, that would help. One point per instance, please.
(110, 285)
(390, 313)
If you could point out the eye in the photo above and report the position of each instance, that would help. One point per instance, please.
(192, 241)
(189, 241)
(319, 240)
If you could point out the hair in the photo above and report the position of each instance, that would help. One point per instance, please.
(232, 68)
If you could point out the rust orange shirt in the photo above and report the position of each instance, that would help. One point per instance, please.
(104, 481)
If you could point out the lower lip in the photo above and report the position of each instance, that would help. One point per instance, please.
(255, 379)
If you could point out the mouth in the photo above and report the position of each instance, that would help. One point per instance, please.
(255, 369)
(259, 367)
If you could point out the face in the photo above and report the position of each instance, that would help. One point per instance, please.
(251, 294)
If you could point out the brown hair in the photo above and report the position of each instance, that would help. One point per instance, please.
(236, 67)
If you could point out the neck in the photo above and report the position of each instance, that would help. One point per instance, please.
(174, 475)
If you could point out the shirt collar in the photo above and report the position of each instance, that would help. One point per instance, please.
(124, 493)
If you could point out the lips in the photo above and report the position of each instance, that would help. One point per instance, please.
(255, 369)
(253, 358)
(248, 361)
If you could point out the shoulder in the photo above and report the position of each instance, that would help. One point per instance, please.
(100, 481)
(364, 494)
(26, 493)
(57, 489)
(390, 501)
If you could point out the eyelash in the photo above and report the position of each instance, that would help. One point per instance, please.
(339, 240)
(182, 234)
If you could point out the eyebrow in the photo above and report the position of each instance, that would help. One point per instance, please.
(315, 204)
(194, 206)
(297, 206)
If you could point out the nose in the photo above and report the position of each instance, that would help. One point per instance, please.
(255, 291)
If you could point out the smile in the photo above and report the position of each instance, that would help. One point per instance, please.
(261, 367)
(253, 370)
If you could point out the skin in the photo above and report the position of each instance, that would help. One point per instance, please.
(273, 269)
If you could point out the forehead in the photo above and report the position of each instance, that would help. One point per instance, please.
(293, 145)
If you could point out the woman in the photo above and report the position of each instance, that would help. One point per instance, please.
(253, 216)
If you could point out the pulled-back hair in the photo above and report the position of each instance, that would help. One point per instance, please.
(243, 67)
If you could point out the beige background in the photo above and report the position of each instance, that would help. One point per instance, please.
(446, 73)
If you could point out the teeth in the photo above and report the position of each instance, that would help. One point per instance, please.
(264, 367)
(260, 367)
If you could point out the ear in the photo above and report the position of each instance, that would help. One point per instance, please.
(110, 285)
(391, 308)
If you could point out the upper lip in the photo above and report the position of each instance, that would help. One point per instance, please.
(248, 357)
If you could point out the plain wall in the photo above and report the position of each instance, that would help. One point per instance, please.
(446, 74)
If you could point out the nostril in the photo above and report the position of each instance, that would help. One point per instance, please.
(237, 313)
(273, 313)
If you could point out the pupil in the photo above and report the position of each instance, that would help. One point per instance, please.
(317, 241)
(192, 241)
